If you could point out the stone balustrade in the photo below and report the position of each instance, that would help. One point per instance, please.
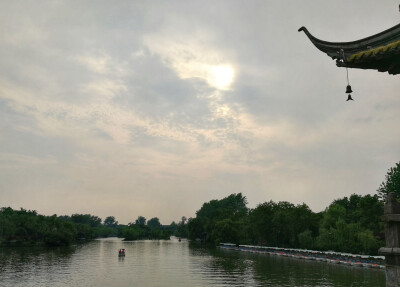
(392, 233)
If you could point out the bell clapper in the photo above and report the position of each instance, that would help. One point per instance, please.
(349, 98)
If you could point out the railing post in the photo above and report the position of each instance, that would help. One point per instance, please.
(392, 233)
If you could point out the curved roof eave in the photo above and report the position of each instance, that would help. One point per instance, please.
(332, 49)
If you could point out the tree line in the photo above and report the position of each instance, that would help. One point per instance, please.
(141, 229)
(350, 224)
(23, 227)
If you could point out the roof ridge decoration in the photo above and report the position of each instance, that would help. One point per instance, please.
(379, 52)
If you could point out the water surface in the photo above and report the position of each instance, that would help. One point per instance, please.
(169, 263)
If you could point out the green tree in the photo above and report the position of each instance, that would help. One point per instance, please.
(259, 225)
(334, 213)
(365, 210)
(370, 211)
(26, 226)
(306, 239)
(7, 228)
(232, 207)
(91, 220)
(59, 232)
(279, 224)
(226, 230)
(182, 228)
(352, 225)
(85, 231)
(140, 220)
(139, 230)
(154, 223)
(173, 227)
(391, 183)
(196, 229)
(110, 221)
(134, 232)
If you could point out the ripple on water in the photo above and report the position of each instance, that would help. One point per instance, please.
(169, 263)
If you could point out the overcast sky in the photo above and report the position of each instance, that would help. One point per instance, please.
(152, 108)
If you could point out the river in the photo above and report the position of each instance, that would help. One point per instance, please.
(169, 263)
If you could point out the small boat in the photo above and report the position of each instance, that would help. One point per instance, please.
(121, 252)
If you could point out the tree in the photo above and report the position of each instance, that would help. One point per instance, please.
(140, 230)
(352, 225)
(182, 228)
(154, 223)
(226, 230)
(332, 215)
(195, 228)
(134, 232)
(259, 227)
(232, 207)
(306, 239)
(173, 227)
(391, 183)
(26, 226)
(110, 221)
(140, 220)
(92, 220)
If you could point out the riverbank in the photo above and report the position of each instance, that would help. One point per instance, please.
(16, 243)
(357, 260)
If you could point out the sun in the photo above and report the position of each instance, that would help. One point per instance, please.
(221, 76)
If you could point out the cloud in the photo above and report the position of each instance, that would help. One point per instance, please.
(152, 110)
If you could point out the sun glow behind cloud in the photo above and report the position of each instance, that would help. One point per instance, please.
(190, 59)
(221, 76)
(170, 106)
(218, 76)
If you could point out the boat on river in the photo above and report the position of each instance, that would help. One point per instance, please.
(365, 261)
(121, 252)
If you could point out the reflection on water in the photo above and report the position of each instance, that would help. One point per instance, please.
(169, 263)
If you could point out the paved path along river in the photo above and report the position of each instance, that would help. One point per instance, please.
(169, 263)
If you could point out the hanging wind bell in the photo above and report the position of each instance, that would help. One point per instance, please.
(348, 88)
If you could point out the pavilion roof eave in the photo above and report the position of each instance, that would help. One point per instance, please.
(333, 49)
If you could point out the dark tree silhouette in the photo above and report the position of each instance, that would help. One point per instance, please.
(391, 183)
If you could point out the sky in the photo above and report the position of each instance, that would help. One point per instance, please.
(152, 108)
